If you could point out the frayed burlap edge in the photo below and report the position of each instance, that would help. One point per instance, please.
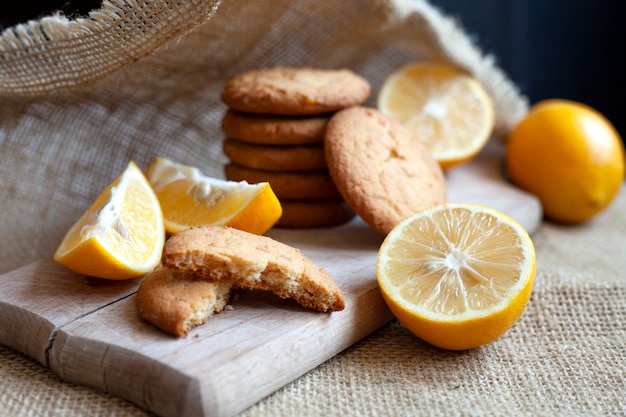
(57, 53)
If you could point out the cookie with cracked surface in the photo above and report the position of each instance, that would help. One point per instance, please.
(224, 254)
(382, 170)
(295, 91)
(275, 157)
(177, 302)
(274, 130)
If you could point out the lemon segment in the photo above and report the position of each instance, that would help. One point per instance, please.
(121, 235)
(457, 275)
(446, 108)
(190, 199)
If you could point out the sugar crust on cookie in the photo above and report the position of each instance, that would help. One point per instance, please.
(295, 91)
(224, 254)
(382, 171)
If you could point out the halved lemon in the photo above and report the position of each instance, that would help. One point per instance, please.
(445, 107)
(457, 275)
(190, 199)
(121, 235)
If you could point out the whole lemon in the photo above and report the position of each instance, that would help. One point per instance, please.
(568, 155)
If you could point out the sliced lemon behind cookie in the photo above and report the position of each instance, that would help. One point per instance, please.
(457, 275)
(121, 235)
(189, 199)
(448, 109)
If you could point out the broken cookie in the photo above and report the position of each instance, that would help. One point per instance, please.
(227, 255)
(176, 302)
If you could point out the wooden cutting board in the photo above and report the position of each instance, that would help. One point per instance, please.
(87, 330)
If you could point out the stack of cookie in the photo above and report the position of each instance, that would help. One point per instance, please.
(274, 131)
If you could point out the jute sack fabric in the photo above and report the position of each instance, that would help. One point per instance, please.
(144, 80)
(566, 357)
(80, 98)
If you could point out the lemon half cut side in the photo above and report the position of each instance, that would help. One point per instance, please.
(457, 275)
(448, 109)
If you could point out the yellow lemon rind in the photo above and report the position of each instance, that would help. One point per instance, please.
(464, 334)
(92, 256)
(472, 328)
(250, 218)
(259, 208)
(568, 155)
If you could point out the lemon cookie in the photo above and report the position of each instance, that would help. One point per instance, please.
(295, 91)
(176, 302)
(303, 214)
(274, 157)
(382, 170)
(288, 185)
(274, 130)
(224, 254)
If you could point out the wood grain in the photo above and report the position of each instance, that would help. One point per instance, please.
(87, 330)
(38, 299)
(239, 356)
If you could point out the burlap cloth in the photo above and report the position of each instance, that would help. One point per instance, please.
(81, 97)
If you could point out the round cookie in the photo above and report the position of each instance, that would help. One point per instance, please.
(305, 214)
(274, 130)
(305, 185)
(382, 170)
(295, 91)
(275, 158)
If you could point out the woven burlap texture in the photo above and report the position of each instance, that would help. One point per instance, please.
(565, 357)
(81, 98)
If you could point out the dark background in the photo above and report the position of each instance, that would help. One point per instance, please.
(572, 49)
(19, 11)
